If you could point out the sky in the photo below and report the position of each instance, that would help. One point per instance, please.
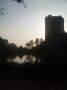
(20, 25)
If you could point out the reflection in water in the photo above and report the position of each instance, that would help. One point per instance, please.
(4, 58)
(25, 59)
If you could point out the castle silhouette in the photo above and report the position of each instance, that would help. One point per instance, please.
(55, 37)
(54, 27)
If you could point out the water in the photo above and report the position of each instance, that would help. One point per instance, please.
(20, 59)
(27, 78)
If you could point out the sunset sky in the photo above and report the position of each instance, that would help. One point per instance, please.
(19, 24)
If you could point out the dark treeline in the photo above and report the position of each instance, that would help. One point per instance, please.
(11, 48)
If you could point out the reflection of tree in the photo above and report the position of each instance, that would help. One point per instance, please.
(20, 56)
(32, 59)
(28, 58)
(4, 58)
(22, 59)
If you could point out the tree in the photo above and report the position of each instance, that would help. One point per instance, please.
(12, 47)
(41, 40)
(27, 45)
(31, 44)
(20, 49)
(36, 42)
(3, 42)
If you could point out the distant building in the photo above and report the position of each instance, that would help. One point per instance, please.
(54, 28)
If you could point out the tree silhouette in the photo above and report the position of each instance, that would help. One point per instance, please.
(20, 49)
(27, 45)
(3, 42)
(31, 44)
(41, 40)
(36, 42)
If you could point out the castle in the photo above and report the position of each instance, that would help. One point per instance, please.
(54, 28)
(55, 37)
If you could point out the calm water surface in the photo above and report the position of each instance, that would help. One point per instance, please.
(24, 59)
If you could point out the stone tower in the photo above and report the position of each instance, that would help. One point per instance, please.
(54, 28)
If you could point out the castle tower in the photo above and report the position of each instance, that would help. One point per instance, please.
(54, 27)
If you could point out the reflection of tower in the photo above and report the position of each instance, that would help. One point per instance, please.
(54, 27)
